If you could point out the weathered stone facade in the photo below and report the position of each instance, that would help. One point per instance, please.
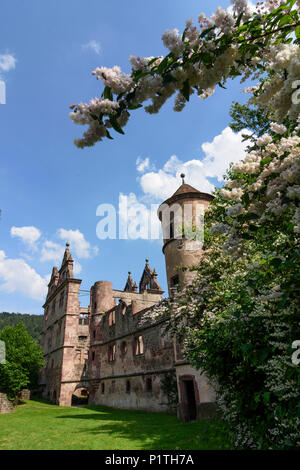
(105, 351)
(5, 405)
(25, 394)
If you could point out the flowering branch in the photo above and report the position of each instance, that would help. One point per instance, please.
(225, 46)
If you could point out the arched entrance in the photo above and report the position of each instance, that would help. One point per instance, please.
(80, 396)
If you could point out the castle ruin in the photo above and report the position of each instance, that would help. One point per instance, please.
(104, 352)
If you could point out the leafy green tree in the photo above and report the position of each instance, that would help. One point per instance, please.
(250, 118)
(24, 358)
(240, 317)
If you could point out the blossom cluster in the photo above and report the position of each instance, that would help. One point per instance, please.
(197, 63)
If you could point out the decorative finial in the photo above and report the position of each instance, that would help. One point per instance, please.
(67, 244)
(129, 272)
(182, 176)
(147, 261)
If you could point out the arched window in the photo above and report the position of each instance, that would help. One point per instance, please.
(112, 353)
(139, 346)
(112, 318)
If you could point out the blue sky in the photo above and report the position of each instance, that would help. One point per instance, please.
(54, 188)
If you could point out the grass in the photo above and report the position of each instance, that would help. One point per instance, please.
(39, 425)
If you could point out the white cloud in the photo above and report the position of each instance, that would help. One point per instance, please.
(225, 148)
(77, 268)
(92, 46)
(137, 220)
(52, 252)
(7, 62)
(250, 6)
(17, 276)
(81, 247)
(28, 234)
(143, 165)
(159, 184)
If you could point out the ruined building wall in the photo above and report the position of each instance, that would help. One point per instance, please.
(128, 360)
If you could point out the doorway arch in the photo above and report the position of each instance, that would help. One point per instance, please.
(80, 396)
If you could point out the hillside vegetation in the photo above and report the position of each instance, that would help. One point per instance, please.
(33, 323)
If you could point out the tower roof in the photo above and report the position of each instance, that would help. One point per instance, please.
(184, 189)
(130, 286)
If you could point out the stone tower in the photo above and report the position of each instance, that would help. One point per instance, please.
(182, 223)
(65, 335)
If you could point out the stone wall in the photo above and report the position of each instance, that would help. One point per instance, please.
(5, 405)
(121, 376)
(25, 394)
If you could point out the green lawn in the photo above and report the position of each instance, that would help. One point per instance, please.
(40, 425)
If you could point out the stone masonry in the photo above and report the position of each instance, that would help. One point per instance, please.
(5, 405)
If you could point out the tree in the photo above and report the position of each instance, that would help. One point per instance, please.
(24, 358)
(249, 117)
(240, 317)
(256, 45)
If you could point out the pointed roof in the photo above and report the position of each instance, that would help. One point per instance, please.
(185, 188)
(148, 280)
(67, 255)
(130, 286)
(54, 276)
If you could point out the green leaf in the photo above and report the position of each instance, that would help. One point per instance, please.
(152, 61)
(135, 106)
(206, 31)
(297, 32)
(185, 91)
(285, 20)
(116, 126)
(139, 74)
(266, 397)
(108, 135)
(164, 64)
(238, 21)
(107, 94)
